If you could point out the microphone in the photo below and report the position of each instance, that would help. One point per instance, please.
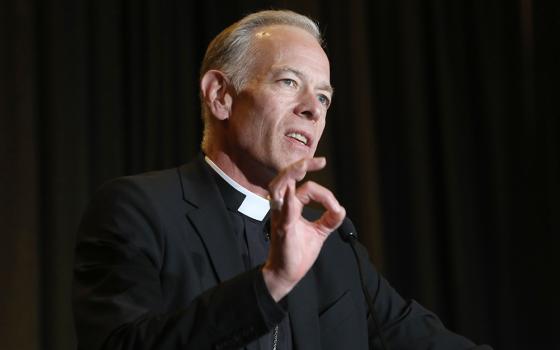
(346, 231)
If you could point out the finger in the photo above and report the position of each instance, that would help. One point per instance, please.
(278, 195)
(311, 191)
(294, 172)
(290, 211)
(292, 207)
(334, 212)
(316, 163)
(330, 220)
(298, 169)
(276, 204)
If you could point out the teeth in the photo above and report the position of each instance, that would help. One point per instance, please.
(298, 137)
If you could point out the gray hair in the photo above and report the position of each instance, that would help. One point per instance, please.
(230, 51)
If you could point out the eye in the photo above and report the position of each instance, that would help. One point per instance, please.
(289, 82)
(324, 100)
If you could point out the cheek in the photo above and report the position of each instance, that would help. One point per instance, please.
(268, 120)
(260, 118)
(320, 130)
(321, 125)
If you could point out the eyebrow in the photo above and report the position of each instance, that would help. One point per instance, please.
(301, 75)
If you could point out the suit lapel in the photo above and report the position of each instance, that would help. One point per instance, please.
(302, 307)
(209, 217)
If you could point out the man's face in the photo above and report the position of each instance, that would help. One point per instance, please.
(278, 116)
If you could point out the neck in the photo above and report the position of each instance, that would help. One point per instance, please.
(242, 170)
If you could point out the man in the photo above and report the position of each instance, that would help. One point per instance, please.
(186, 258)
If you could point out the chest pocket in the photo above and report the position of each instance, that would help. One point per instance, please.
(342, 326)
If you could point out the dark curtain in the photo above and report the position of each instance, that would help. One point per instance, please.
(442, 144)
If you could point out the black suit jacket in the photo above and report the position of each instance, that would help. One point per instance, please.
(157, 267)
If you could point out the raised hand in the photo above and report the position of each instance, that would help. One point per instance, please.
(295, 241)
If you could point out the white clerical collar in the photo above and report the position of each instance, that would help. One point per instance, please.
(254, 206)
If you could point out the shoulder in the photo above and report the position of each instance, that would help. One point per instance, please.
(161, 185)
(154, 182)
(140, 192)
(137, 210)
(140, 197)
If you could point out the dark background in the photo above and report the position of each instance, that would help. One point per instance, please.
(443, 144)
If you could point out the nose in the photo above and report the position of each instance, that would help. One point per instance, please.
(309, 106)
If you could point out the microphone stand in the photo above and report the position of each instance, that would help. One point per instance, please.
(349, 236)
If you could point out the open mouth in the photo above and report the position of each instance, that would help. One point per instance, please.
(298, 137)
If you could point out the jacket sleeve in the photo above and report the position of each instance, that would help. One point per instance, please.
(405, 325)
(117, 296)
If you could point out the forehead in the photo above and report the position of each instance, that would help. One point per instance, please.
(277, 31)
(284, 45)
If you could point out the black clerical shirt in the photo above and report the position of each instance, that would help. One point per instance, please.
(252, 237)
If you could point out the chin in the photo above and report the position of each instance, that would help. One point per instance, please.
(279, 162)
(291, 160)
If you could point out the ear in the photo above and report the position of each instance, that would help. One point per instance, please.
(216, 94)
